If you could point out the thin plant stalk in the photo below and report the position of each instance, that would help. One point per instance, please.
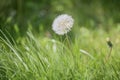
(110, 45)
(109, 54)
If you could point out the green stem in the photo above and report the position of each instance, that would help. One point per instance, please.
(68, 42)
(109, 54)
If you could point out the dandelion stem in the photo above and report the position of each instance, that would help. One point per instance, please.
(109, 54)
(68, 41)
(110, 46)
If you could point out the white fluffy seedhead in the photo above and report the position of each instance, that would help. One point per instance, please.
(62, 24)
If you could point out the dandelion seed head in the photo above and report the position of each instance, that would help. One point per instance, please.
(62, 24)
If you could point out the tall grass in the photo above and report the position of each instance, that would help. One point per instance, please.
(42, 58)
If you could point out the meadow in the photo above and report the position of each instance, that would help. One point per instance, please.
(82, 44)
(35, 57)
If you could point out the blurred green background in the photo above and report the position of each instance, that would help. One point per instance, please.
(17, 16)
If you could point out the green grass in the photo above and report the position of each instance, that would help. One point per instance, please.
(36, 57)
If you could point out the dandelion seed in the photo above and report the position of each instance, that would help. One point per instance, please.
(62, 24)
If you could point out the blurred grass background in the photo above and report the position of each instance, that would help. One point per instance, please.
(17, 16)
(30, 50)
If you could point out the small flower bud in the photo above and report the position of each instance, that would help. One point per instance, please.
(109, 42)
